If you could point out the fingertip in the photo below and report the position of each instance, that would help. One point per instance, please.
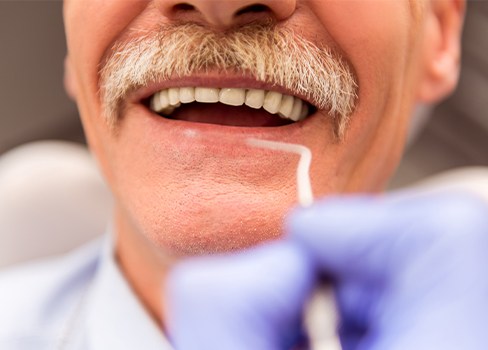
(337, 230)
(326, 213)
(298, 218)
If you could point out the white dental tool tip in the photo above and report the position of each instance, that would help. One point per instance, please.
(304, 187)
(321, 319)
(321, 315)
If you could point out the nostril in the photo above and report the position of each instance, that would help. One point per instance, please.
(256, 8)
(183, 7)
(223, 14)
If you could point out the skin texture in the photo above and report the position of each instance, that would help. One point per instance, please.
(181, 191)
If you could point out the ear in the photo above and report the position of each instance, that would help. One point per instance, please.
(69, 79)
(442, 49)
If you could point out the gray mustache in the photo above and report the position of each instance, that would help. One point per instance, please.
(263, 51)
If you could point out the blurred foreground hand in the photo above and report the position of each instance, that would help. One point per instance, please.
(409, 273)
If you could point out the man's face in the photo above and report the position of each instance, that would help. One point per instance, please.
(185, 178)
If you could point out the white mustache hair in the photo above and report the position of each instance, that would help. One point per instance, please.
(266, 52)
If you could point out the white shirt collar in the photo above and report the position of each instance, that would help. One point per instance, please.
(115, 317)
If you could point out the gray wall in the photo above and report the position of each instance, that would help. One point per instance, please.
(457, 134)
(32, 49)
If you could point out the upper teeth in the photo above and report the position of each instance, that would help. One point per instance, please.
(286, 106)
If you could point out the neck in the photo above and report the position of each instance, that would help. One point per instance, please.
(144, 268)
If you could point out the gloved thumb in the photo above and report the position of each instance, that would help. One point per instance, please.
(249, 300)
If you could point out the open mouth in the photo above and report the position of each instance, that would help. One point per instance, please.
(230, 106)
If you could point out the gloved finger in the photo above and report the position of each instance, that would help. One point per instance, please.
(368, 237)
(249, 300)
(407, 268)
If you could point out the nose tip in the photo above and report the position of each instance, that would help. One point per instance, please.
(227, 13)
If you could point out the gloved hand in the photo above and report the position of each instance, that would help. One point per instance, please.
(409, 273)
(249, 300)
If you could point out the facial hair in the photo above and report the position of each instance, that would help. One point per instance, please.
(264, 51)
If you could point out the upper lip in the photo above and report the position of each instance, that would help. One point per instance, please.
(212, 81)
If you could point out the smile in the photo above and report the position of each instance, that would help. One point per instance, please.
(230, 106)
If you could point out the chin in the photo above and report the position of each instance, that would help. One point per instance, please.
(187, 240)
(213, 225)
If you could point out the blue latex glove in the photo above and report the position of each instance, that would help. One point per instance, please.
(409, 273)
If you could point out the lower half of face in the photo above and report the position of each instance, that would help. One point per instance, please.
(195, 189)
(186, 178)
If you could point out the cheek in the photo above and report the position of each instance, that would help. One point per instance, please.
(375, 37)
(91, 28)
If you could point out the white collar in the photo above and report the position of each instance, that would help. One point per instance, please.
(115, 317)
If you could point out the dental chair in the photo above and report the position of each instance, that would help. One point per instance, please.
(52, 199)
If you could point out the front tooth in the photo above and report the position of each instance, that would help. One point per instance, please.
(163, 99)
(255, 98)
(155, 104)
(233, 97)
(297, 110)
(272, 102)
(286, 106)
(206, 95)
(174, 96)
(304, 112)
(187, 95)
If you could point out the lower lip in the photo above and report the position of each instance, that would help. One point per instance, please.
(199, 150)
